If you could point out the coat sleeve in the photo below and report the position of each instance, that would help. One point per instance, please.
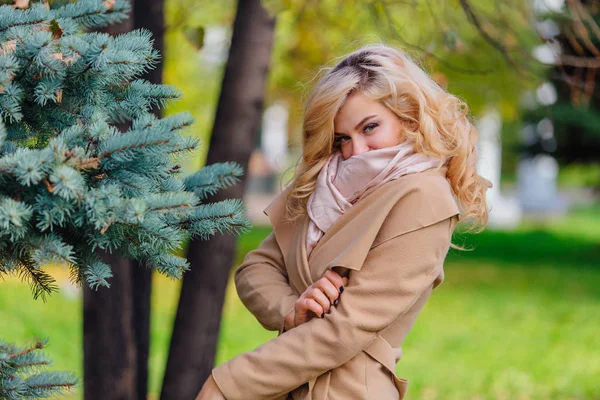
(262, 284)
(392, 278)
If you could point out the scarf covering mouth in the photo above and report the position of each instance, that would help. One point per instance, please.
(341, 183)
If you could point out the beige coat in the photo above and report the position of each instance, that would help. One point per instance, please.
(391, 245)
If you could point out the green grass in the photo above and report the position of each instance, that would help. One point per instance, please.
(516, 318)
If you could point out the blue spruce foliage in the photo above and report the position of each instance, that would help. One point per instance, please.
(71, 183)
(23, 375)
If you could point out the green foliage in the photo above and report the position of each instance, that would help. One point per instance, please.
(438, 34)
(187, 69)
(574, 135)
(71, 183)
(22, 373)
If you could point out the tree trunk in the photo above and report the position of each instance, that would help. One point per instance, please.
(116, 321)
(196, 328)
(148, 14)
(109, 346)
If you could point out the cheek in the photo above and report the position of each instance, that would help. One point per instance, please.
(346, 152)
(386, 136)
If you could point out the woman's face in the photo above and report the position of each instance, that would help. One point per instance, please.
(364, 124)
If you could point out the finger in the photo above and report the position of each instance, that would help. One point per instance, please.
(301, 306)
(315, 307)
(300, 318)
(329, 288)
(334, 277)
(345, 281)
(320, 297)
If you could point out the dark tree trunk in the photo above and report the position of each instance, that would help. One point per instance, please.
(116, 321)
(108, 336)
(148, 14)
(196, 328)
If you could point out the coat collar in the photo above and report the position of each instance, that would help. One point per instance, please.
(348, 241)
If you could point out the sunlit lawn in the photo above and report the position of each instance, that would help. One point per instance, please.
(517, 318)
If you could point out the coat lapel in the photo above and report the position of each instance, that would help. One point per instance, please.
(347, 242)
(298, 271)
(289, 237)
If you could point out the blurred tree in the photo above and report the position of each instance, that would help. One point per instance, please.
(479, 50)
(196, 329)
(569, 128)
(187, 66)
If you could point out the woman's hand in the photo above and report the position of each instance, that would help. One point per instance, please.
(210, 390)
(317, 299)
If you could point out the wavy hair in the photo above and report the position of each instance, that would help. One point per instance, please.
(437, 122)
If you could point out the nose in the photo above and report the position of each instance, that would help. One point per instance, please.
(359, 145)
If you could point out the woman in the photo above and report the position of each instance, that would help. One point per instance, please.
(359, 237)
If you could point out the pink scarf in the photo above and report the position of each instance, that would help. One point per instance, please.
(341, 183)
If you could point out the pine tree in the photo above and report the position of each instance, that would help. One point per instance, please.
(22, 373)
(70, 181)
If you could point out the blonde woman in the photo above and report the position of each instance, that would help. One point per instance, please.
(360, 235)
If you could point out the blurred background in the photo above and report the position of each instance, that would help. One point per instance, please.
(518, 317)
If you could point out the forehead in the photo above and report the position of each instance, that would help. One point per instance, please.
(355, 108)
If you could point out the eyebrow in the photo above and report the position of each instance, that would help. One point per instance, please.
(359, 124)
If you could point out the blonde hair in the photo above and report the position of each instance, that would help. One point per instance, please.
(437, 121)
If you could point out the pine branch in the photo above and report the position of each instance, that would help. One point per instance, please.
(21, 374)
(40, 282)
(213, 178)
(38, 345)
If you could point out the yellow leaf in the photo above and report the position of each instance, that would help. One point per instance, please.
(195, 35)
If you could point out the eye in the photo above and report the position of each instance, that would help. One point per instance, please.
(339, 139)
(370, 127)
